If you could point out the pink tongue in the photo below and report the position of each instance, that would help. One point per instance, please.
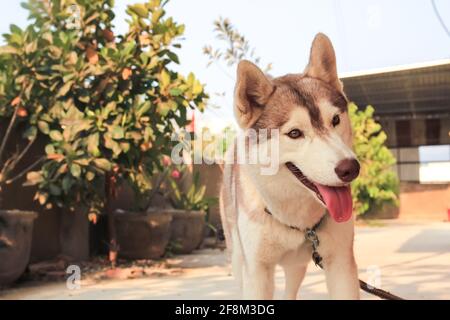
(338, 201)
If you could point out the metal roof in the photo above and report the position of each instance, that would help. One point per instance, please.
(412, 91)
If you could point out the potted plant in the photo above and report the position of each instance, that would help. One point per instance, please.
(110, 103)
(144, 227)
(16, 226)
(190, 210)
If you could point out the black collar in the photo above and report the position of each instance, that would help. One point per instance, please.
(314, 228)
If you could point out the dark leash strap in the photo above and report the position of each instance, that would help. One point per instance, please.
(311, 236)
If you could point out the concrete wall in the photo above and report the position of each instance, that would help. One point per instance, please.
(424, 201)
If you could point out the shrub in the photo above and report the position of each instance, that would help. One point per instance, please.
(377, 182)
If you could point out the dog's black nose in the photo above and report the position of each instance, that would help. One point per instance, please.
(347, 170)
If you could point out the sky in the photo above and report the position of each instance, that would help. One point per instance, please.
(367, 34)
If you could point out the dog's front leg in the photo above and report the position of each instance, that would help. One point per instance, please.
(342, 277)
(258, 281)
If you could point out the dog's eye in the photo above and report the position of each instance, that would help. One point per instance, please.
(336, 120)
(295, 134)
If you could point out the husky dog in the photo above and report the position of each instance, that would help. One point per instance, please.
(265, 216)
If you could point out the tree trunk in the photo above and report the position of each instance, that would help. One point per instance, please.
(109, 193)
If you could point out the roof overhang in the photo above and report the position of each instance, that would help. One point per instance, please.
(412, 91)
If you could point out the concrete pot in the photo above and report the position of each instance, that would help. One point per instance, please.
(188, 230)
(74, 234)
(143, 235)
(16, 229)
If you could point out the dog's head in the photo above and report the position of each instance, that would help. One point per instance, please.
(310, 112)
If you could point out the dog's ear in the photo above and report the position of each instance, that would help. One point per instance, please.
(322, 62)
(252, 92)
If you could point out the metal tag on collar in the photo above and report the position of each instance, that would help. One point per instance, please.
(311, 236)
(317, 259)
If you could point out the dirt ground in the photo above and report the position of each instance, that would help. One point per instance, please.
(412, 259)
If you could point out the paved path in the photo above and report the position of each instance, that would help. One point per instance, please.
(413, 259)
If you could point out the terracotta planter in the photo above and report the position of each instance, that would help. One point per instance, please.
(16, 229)
(188, 230)
(143, 235)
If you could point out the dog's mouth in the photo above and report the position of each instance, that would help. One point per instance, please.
(338, 200)
(306, 182)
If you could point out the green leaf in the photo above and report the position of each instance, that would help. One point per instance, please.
(8, 50)
(64, 89)
(143, 109)
(84, 99)
(173, 57)
(75, 170)
(92, 144)
(139, 9)
(49, 149)
(164, 79)
(197, 88)
(67, 183)
(33, 178)
(56, 135)
(90, 176)
(103, 164)
(175, 92)
(82, 161)
(15, 29)
(54, 190)
(125, 146)
(30, 133)
(118, 132)
(43, 126)
(157, 14)
(163, 108)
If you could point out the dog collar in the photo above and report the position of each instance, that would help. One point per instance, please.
(314, 227)
(310, 235)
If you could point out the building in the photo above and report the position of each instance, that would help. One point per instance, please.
(412, 103)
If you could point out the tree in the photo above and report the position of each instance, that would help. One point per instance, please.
(108, 104)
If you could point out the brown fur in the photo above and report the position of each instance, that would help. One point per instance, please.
(298, 90)
(264, 103)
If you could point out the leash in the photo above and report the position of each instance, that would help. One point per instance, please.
(313, 238)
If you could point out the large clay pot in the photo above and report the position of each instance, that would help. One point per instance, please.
(16, 229)
(143, 235)
(188, 230)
